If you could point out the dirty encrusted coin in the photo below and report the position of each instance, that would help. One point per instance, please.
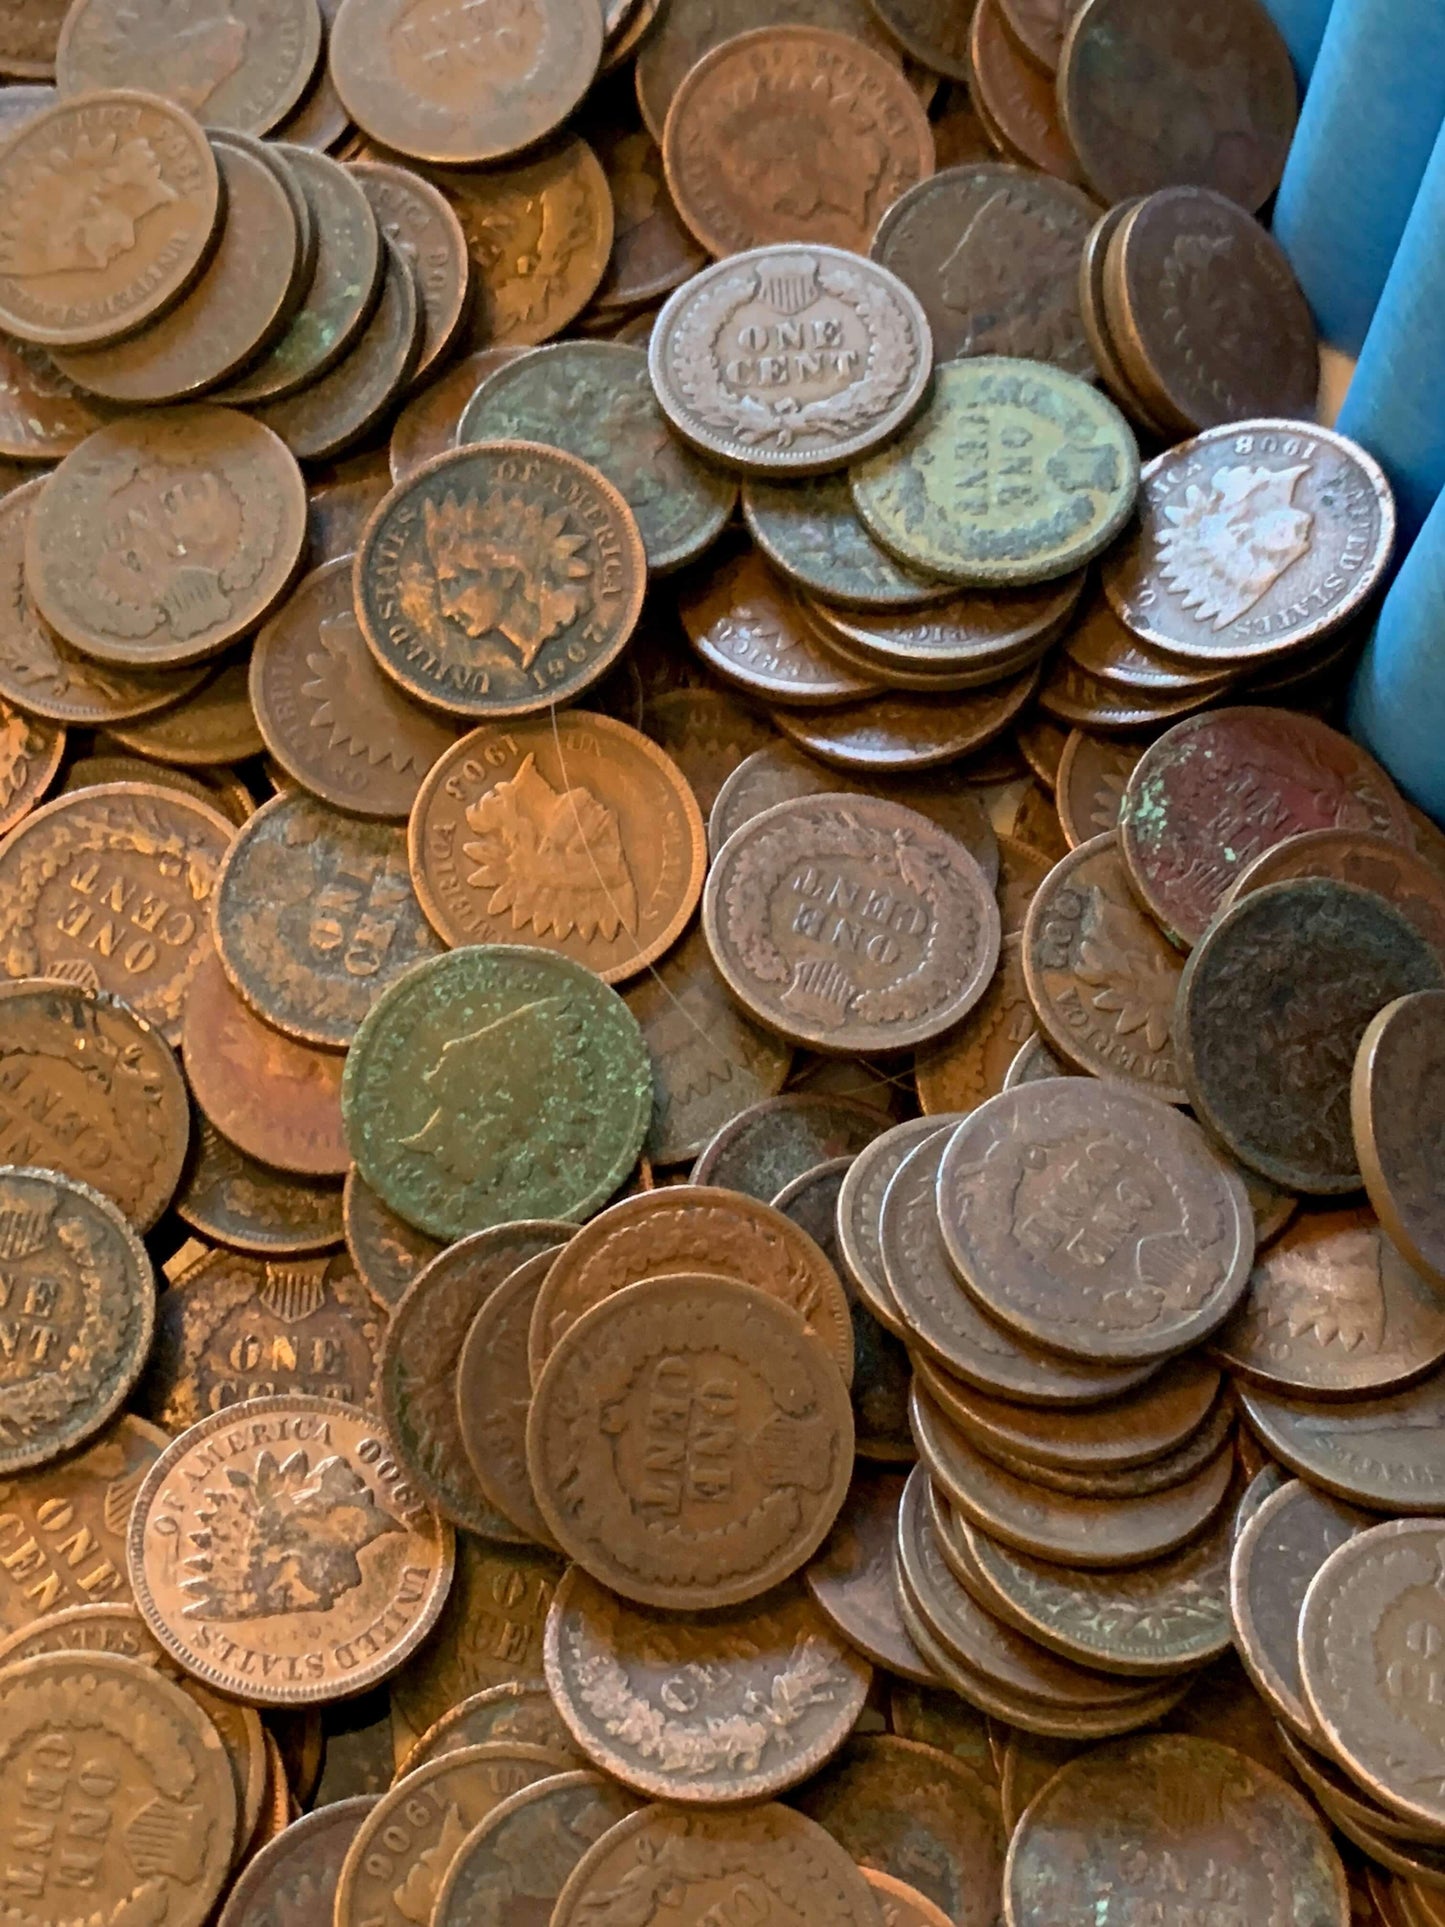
(758, 1409)
(233, 1200)
(720, 1707)
(1272, 1007)
(937, 497)
(81, 1295)
(493, 1083)
(386, 1250)
(851, 924)
(765, 1147)
(1397, 1100)
(500, 579)
(515, 1863)
(300, 1867)
(730, 381)
(279, 1552)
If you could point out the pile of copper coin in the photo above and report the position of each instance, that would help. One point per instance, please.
(722, 1105)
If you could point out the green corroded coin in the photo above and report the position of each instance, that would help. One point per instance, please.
(594, 400)
(810, 531)
(1016, 472)
(496, 1083)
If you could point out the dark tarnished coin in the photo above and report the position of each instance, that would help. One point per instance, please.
(332, 720)
(1213, 793)
(1080, 700)
(420, 223)
(90, 1090)
(418, 1389)
(43, 415)
(730, 381)
(895, 734)
(315, 916)
(442, 1087)
(1093, 775)
(707, 733)
(1039, 27)
(446, 87)
(752, 629)
(1276, 1555)
(336, 514)
(1221, 93)
(386, 1250)
(594, 400)
(300, 1869)
(214, 724)
(229, 1197)
(520, 1709)
(500, 580)
(571, 832)
(1016, 99)
(82, 1297)
(110, 888)
(1169, 1820)
(166, 535)
(721, 1707)
(515, 1863)
(1033, 1062)
(851, 924)
(854, 1578)
(233, 1327)
(1073, 467)
(808, 530)
(1384, 1453)
(494, 1394)
(1391, 869)
(745, 1502)
(278, 1099)
(919, 1813)
(112, 204)
(689, 1228)
(427, 426)
(859, 1228)
(1094, 1221)
(651, 249)
(971, 639)
(993, 253)
(1397, 1109)
(1272, 1006)
(1101, 976)
(1254, 540)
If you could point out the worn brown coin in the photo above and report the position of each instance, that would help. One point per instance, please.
(1276, 1555)
(110, 889)
(1372, 862)
(520, 1856)
(1232, 138)
(651, 249)
(993, 254)
(89, 1089)
(752, 1499)
(1254, 541)
(674, 1708)
(574, 833)
(1215, 792)
(364, 1575)
(851, 924)
(1382, 1453)
(419, 1360)
(1143, 1820)
(1312, 959)
(328, 715)
(219, 789)
(166, 535)
(914, 1811)
(43, 415)
(971, 1063)
(767, 1147)
(30, 755)
(214, 724)
(453, 90)
(859, 1226)
(854, 1578)
(518, 1710)
(1021, 1187)
(494, 1394)
(422, 226)
(1135, 1482)
(427, 426)
(1395, 1109)
(973, 638)
(1015, 98)
(751, 628)
(908, 732)
(500, 580)
(299, 1869)
(1101, 976)
(707, 733)
(93, 254)
(335, 516)
(1108, 653)
(231, 1199)
(1360, 1818)
(693, 1228)
(1080, 700)
(807, 529)
(278, 1099)
(943, 1720)
(1093, 775)
(1102, 345)
(386, 1250)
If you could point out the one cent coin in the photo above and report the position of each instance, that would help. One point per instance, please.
(767, 1146)
(441, 1086)
(1392, 870)
(969, 640)
(973, 1061)
(1167, 1268)
(1397, 1104)
(760, 1465)
(500, 580)
(247, 1206)
(1313, 960)
(1093, 775)
(1073, 465)
(386, 1250)
(519, 1858)
(851, 924)
(673, 1707)
(651, 249)
(96, 245)
(1168, 1814)
(1383, 1453)
(301, 1868)
(896, 734)
(365, 1567)
(707, 733)
(1255, 540)
(1216, 791)
(730, 381)
(90, 1090)
(751, 629)
(1016, 99)
(494, 1395)
(854, 1579)
(519, 1710)
(859, 1224)
(165, 536)
(792, 133)
(419, 221)
(427, 426)
(336, 514)
(1109, 653)
(571, 832)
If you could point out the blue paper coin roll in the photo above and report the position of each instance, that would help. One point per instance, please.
(1397, 705)
(1302, 22)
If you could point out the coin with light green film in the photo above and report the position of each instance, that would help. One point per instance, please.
(1016, 472)
(494, 1083)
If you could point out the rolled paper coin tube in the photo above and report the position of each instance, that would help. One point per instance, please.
(1397, 703)
(1369, 121)
(1302, 22)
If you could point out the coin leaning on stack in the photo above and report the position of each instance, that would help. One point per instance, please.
(717, 1095)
